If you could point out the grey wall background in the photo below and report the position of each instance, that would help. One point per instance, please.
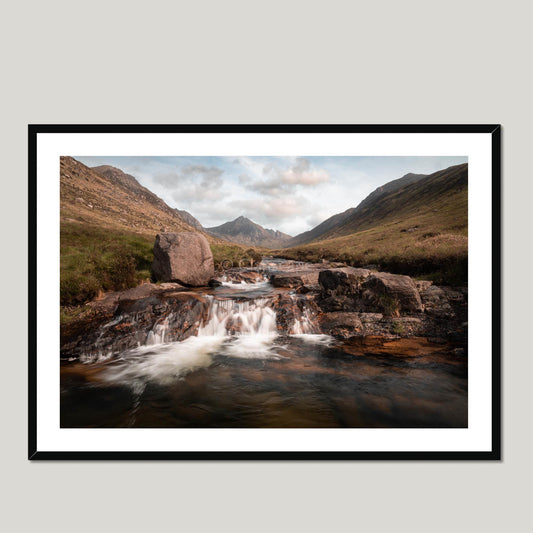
(267, 62)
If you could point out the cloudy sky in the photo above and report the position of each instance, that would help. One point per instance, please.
(290, 194)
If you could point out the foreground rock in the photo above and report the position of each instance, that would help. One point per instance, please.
(241, 275)
(184, 258)
(392, 293)
(295, 279)
(135, 317)
(359, 303)
(357, 289)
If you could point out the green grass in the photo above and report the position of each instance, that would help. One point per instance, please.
(423, 246)
(232, 254)
(94, 259)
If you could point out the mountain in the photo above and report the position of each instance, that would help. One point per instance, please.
(107, 197)
(401, 199)
(420, 229)
(331, 223)
(195, 223)
(243, 231)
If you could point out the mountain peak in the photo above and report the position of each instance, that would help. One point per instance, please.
(242, 230)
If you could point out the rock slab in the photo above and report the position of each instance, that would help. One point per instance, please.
(183, 258)
(382, 288)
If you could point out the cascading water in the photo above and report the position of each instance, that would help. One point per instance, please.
(306, 322)
(249, 317)
(233, 326)
(159, 332)
(247, 354)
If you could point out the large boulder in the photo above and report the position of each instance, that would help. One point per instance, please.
(392, 294)
(184, 258)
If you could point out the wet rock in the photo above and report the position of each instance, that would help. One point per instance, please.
(392, 294)
(296, 314)
(436, 302)
(165, 312)
(286, 312)
(147, 289)
(305, 289)
(183, 257)
(338, 303)
(295, 279)
(248, 276)
(171, 286)
(214, 283)
(395, 347)
(372, 323)
(342, 325)
(341, 281)
(105, 304)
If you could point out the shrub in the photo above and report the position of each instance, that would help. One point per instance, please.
(397, 328)
(389, 305)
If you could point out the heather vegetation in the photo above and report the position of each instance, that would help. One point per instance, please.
(95, 259)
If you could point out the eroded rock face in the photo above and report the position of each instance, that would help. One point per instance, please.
(341, 325)
(389, 291)
(358, 290)
(184, 258)
(341, 281)
(125, 320)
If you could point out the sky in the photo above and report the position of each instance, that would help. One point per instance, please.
(289, 194)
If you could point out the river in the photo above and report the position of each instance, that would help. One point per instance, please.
(238, 371)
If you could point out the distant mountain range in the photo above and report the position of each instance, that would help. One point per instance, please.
(243, 231)
(108, 197)
(331, 225)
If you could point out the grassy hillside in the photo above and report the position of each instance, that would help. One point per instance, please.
(329, 226)
(420, 230)
(107, 197)
(97, 259)
(108, 228)
(94, 259)
(438, 198)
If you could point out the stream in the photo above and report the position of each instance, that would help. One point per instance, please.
(239, 371)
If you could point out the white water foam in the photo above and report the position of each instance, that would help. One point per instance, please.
(164, 363)
(229, 317)
(245, 329)
(243, 286)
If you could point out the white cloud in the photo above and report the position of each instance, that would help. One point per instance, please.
(191, 183)
(302, 174)
(271, 179)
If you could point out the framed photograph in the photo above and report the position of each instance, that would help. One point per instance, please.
(264, 292)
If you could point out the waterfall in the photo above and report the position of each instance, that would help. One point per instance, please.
(306, 323)
(244, 325)
(158, 334)
(236, 327)
(230, 317)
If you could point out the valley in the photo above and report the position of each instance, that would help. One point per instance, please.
(361, 321)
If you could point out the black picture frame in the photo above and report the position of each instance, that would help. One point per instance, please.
(494, 454)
